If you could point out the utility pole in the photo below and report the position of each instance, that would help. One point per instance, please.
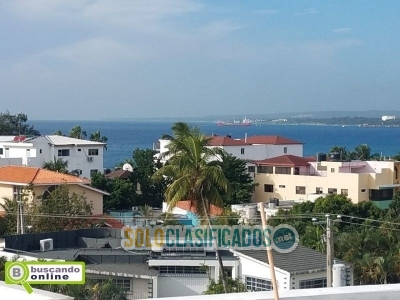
(269, 251)
(329, 250)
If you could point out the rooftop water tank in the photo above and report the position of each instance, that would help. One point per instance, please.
(338, 275)
(321, 157)
(335, 156)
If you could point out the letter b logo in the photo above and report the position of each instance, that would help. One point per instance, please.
(16, 272)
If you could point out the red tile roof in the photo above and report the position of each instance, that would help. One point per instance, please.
(37, 176)
(271, 140)
(109, 221)
(285, 160)
(185, 205)
(225, 141)
(122, 174)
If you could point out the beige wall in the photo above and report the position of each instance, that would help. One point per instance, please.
(284, 186)
(6, 191)
(91, 196)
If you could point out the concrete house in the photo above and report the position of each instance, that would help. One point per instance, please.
(84, 156)
(14, 181)
(290, 177)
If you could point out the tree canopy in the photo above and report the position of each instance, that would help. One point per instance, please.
(16, 125)
(366, 236)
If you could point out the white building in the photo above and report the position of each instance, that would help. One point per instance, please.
(85, 156)
(14, 151)
(249, 148)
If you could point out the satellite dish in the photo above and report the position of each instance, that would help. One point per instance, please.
(127, 167)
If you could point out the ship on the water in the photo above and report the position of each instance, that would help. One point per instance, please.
(244, 122)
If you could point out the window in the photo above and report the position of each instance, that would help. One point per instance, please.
(363, 190)
(265, 169)
(395, 171)
(93, 172)
(124, 284)
(301, 190)
(332, 191)
(332, 170)
(282, 186)
(283, 170)
(241, 150)
(182, 270)
(285, 150)
(40, 151)
(63, 152)
(251, 169)
(344, 192)
(296, 170)
(28, 152)
(313, 283)
(93, 151)
(268, 188)
(257, 284)
(79, 149)
(1, 151)
(319, 190)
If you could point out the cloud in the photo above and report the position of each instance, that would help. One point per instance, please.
(140, 14)
(341, 30)
(308, 11)
(266, 12)
(218, 28)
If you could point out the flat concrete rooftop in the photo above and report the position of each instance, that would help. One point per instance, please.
(361, 292)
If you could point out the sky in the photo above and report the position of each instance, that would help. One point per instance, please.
(96, 59)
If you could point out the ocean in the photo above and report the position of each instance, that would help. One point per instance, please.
(125, 136)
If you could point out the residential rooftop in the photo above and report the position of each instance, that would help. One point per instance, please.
(58, 140)
(286, 160)
(37, 176)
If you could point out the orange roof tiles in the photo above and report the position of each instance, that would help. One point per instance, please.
(37, 176)
(285, 160)
(225, 141)
(186, 205)
(270, 140)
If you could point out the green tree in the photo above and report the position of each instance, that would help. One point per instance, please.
(58, 165)
(77, 133)
(147, 213)
(193, 176)
(363, 152)
(97, 137)
(151, 192)
(217, 287)
(9, 221)
(61, 203)
(122, 195)
(16, 125)
(342, 151)
(241, 183)
(58, 132)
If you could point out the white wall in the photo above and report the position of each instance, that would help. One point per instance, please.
(174, 286)
(78, 160)
(253, 268)
(18, 150)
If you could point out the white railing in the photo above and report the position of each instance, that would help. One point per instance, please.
(137, 295)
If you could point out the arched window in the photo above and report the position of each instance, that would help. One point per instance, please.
(395, 172)
(48, 191)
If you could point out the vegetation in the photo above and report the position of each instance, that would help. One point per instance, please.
(58, 165)
(59, 211)
(16, 125)
(234, 286)
(194, 176)
(241, 183)
(366, 236)
(361, 152)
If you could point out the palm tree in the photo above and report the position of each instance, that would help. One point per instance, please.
(96, 137)
(193, 177)
(77, 133)
(58, 165)
(342, 151)
(147, 212)
(363, 152)
(58, 132)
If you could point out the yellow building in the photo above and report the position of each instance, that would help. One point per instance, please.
(290, 177)
(17, 179)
